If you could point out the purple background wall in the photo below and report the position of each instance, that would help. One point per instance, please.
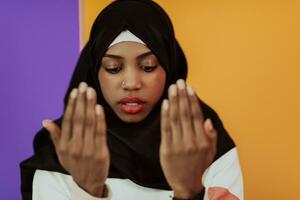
(39, 47)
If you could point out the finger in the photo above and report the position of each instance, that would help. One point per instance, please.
(173, 115)
(53, 129)
(90, 119)
(165, 126)
(210, 131)
(78, 119)
(197, 116)
(100, 126)
(185, 112)
(67, 119)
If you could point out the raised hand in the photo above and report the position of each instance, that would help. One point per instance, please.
(81, 144)
(188, 142)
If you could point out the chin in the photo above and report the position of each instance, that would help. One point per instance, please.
(132, 118)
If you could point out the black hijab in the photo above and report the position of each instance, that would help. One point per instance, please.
(134, 147)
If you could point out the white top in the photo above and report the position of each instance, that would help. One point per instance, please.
(222, 181)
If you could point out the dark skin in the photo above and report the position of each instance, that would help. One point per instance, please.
(188, 143)
(81, 142)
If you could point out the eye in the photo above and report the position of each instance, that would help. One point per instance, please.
(148, 68)
(113, 70)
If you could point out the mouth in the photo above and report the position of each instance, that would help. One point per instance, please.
(132, 108)
(132, 105)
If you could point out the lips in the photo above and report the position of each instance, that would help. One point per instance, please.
(131, 105)
(131, 100)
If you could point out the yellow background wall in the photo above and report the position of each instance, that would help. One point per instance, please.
(244, 61)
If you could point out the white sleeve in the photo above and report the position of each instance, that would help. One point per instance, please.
(53, 185)
(223, 178)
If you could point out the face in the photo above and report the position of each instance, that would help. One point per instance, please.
(135, 65)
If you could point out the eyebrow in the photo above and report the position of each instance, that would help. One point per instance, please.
(120, 57)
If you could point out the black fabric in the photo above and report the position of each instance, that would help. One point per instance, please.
(134, 147)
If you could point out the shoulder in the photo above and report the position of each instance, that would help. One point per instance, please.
(47, 184)
(224, 176)
(62, 186)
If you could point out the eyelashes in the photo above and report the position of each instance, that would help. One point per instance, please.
(115, 70)
(148, 68)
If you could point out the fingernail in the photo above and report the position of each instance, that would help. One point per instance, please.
(98, 109)
(190, 90)
(165, 104)
(73, 93)
(173, 90)
(82, 87)
(89, 93)
(181, 84)
(44, 122)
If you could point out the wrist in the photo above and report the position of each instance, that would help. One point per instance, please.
(97, 191)
(189, 195)
(183, 196)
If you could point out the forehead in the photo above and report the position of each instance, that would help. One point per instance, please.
(128, 48)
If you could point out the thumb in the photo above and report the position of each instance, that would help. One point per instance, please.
(53, 129)
(210, 130)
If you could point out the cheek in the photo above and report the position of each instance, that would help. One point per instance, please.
(159, 80)
(106, 85)
(160, 84)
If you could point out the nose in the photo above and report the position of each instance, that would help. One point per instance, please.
(132, 80)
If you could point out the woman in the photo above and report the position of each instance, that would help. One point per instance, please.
(132, 129)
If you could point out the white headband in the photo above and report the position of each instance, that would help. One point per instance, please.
(126, 36)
